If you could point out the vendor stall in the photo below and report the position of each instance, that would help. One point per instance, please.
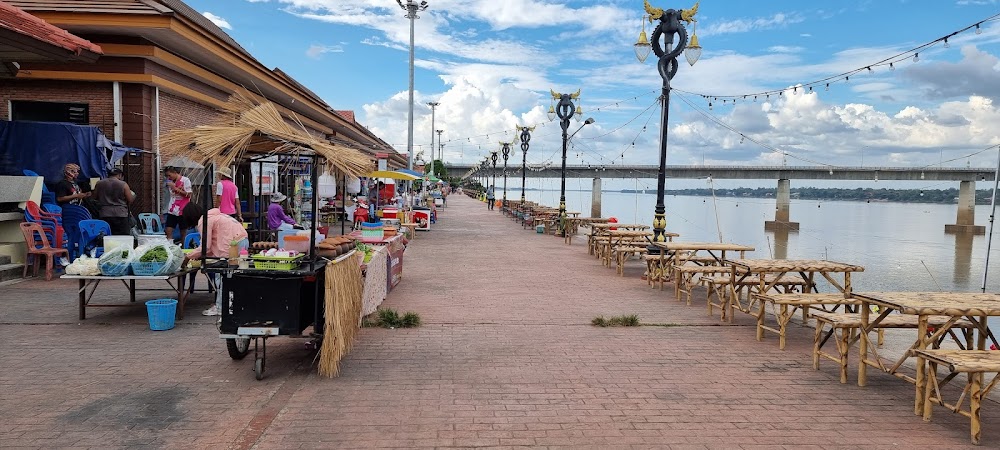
(282, 292)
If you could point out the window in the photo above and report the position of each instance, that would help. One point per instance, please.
(78, 113)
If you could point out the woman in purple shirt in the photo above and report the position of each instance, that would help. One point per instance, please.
(276, 217)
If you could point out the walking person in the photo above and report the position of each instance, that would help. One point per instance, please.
(227, 196)
(113, 197)
(180, 196)
(490, 198)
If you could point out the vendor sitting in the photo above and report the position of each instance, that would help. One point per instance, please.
(222, 232)
(276, 217)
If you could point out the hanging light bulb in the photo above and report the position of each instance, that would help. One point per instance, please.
(579, 113)
(978, 30)
(709, 106)
(916, 57)
(847, 79)
(921, 193)
(870, 70)
(828, 86)
(693, 51)
(552, 113)
(946, 44)
(891, 67)
(831, 171)
(795, 90)
(742, 138)
(642, 46)
(755, 99)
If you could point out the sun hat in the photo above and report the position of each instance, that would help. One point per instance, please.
(225, 172)
(277, 197)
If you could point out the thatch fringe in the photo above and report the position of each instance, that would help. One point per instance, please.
(344, 288)
(258, 128)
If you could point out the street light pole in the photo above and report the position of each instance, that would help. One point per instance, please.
(440, 150)
(525, 137)
(411, 7)
(493, 185)
(565, 110)
(433, 106)
(669, 25)
(506, 154)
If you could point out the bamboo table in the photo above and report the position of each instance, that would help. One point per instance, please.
(806, 268)
(598, 229)
(972, 306)
(671, 251)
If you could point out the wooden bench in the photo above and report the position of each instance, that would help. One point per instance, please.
(684, 277)
(621, 254)
(846, 327)
(974, 363)
(720, 287)
(784, 307)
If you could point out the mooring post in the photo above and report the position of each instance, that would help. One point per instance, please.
(595, 198)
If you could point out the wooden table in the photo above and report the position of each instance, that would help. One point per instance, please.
(176, 281)
(671, 254)
(806, 268)
(972, 306)
(597, 229)
(620, 237)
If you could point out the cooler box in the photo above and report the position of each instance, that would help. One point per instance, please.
(390, 213)
(423, 219)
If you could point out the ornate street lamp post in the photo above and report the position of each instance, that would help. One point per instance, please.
(506, 154)
(411, 7)
(433, 106)
(565, 110)
(525, 137)
(669, 25)
(493, 156)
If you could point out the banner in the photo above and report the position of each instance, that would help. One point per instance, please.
(264, 175)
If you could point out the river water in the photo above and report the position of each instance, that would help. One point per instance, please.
(902, 246)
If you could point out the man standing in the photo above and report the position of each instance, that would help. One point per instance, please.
(113, 197)
(490, 197)
(227, 196)
(180, 195)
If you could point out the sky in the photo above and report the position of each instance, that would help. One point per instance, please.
(491, 65)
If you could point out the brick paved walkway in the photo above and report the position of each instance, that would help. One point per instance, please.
(505, 357)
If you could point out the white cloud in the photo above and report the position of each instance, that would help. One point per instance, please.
(218, 21)
(316, 51)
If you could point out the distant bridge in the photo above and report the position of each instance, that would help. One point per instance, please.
(967, 178)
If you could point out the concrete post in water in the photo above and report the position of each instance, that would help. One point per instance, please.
(965, 222)
(595, 198)
(781, 214)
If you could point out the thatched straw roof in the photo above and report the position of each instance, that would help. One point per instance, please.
(252, 128)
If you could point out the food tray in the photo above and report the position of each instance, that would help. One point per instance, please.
(276, 262)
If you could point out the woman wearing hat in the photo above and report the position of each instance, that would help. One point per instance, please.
(276, 217)
(227, 196)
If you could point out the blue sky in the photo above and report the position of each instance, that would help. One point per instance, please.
(490, 64)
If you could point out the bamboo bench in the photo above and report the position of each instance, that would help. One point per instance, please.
(684, 278)
(719, 288)
(657, 274)
(846, 327)
(972, 362)
(621, 254)
(784, 307)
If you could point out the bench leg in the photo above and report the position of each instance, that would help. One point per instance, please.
(976, 398)
(817, 338)
(929, 391)
(844, 346)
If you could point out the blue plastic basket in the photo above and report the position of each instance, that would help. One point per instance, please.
(146, 269)
(161, 313)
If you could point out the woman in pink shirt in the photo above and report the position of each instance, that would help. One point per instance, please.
(227, 196)
(222, 231)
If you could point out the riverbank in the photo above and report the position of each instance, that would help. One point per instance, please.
(506, 356)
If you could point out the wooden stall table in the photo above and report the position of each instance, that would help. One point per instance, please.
(601, 229)
(672, 253)
(770, 273)
(176, 281)
(956, 306)
(621, 237)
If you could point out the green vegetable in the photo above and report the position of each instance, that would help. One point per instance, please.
(156, 254)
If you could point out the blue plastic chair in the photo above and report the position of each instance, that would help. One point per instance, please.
(150, 223)
(47, 195)
(92, 234)
(72, 215)
(52, 208)
(192, 239)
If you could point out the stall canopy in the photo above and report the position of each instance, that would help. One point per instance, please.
(44, 147)
(254, 128)
(393, 175)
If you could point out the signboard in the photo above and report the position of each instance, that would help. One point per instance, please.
(264, 175)
(395, 262)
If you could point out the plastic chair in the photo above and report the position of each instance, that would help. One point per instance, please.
(192, 239)
(150, 223)
(47, 195)
(37, 246)
(72, 216)
(92, 234)
(52, 208)
(52, 224)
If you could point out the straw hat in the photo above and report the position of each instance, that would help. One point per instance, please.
(277, 197)
(225, 172)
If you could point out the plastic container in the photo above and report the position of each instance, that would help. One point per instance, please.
(161, 313)
(151, 238)
(390, 213)
(298, 243)
(540, 229)
(276, 262)
(146, 269)
(111, 242)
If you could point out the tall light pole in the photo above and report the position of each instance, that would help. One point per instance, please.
(506, 154)
(669, 25)
(433, 106)
(493, 156)
(440, 150)
(411, 7)
(525, 137)
(565, 110)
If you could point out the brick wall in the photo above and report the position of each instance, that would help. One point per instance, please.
(98, 95)
(178, 113)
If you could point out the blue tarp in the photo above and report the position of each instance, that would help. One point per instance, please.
(44, 147)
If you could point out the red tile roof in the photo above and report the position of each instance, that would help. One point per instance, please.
(19, 21)
(349, 115)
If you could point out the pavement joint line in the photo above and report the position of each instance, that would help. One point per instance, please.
(250, 434)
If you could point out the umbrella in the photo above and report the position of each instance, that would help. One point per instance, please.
(411, 172)
(396, 175)
(430, 177)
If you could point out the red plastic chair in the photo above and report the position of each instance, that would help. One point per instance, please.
(51, 223)
(38, 245)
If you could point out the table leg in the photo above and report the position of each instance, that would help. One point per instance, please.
(131, 291)
(83, 299)
(182, 294)
(783, 320)
(863, 346)
(918, 403)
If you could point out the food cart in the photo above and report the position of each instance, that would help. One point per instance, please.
(275, 296)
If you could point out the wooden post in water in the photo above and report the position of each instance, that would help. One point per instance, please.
(965, 221)
(782, 213)
(595, 198)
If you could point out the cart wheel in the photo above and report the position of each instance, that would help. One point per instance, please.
(258, 368)
(238, 348)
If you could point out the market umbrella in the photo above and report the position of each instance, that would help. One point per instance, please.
(430, 177)
(394, 174)
(411, 172)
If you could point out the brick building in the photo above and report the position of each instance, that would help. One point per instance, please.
(164, 67)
